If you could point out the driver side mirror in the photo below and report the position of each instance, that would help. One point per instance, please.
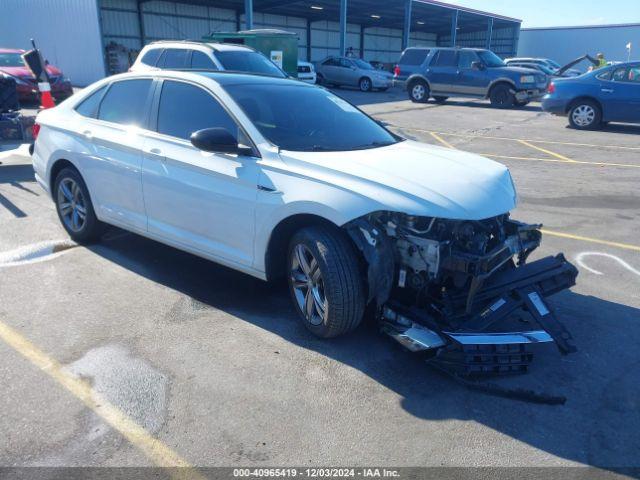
(215, 140)
(477, 65)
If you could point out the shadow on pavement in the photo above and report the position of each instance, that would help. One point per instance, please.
(599, 425)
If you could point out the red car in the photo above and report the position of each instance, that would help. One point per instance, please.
(12, 64)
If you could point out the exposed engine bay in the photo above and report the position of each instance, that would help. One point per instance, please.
(462, 291)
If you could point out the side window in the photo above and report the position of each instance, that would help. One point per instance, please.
(201, 60)
(634, 75)
(151, 57)
(620, 74)
(466, 58)
(185, 109)
(445, 58)
(175, 58)
(604, 75)
(331, 62)
(89, 106)
(345, 63)
(414, 56)
(126, 102)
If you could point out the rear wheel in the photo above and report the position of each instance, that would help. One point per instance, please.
(74, 207)
(585, 115)
(440, 99)
(365, 84)
(419, 91)
(325, 282)
(501, 96)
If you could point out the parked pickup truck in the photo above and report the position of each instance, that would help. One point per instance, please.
(466, 72)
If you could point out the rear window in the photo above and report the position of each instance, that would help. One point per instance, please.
(444, 58)
(201, 60)
(247, 61)
(414, 56)
(175, 58)
(125, 102)
(151, 57)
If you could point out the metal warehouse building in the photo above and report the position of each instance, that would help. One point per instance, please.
(564, 44)
(89, 39)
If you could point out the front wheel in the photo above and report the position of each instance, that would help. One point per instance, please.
(501, 96)
(585, 115)
(325, 282)
(74, 207)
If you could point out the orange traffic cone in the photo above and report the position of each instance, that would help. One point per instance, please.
(45, 95)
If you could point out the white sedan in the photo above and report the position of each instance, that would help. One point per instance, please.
(231, 167)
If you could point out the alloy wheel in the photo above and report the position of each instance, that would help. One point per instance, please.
(583, 115)
(418, 91)
(71, 204)
(308, 285)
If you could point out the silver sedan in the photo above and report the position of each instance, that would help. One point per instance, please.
(338, 71)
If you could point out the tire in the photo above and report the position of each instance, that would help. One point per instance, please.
(335, 294)
(585, 115)
(440, 100)
(418, 91)
(74, 207)
(365, 84)
(501, 96)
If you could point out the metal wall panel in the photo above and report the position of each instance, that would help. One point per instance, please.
(382, 44)
(69, 41)
(566, 44)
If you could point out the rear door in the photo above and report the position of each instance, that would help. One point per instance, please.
(114, 161)
(330, 70)
(443, 71)
(201, 201)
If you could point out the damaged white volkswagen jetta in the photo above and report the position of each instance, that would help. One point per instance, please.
(277, 178)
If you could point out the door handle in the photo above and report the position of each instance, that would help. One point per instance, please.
(607, 90)
(87, 134)
(155, 151)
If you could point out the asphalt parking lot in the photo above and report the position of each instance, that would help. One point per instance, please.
(191, 362)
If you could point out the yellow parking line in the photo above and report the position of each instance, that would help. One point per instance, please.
(625, 246)
(548, 142)
(441, 140)
(577, 162)
(154, 449)
(544, 150)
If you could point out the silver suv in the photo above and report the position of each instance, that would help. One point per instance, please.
(179, 55)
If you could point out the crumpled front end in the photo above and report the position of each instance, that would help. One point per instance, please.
(461, 292)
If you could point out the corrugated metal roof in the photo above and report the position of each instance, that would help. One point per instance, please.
(574, 27)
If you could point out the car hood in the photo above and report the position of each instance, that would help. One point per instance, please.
(23, 72)
(415, 178)
(516, 70)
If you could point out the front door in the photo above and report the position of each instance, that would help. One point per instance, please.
(471, 80)
(194, 199)
(621, 96)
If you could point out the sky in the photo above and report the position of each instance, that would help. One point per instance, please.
(550, 13)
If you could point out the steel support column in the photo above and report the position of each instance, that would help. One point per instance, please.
(143, 37)
(248, 14)
(343, 27)
(406, 30)
(362, 27)
(454, 27)
(308, 40)
(489, 32)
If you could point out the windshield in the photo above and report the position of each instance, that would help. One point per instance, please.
(362, 64)
(553, 64)
(490, 59)
(247, 61)
(310, 119)
(11, 60)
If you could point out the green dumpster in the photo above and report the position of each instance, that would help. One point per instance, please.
(278, 45)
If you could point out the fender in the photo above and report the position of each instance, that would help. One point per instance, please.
(499, 80)
(417, 76)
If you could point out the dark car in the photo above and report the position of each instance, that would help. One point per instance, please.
(12, 64)
(466, 72)
(610, 94)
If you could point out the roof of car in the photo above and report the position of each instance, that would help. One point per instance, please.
(219, 47)
(239, 78)
(11, 50)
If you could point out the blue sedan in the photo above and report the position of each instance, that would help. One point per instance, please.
(610, 94)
